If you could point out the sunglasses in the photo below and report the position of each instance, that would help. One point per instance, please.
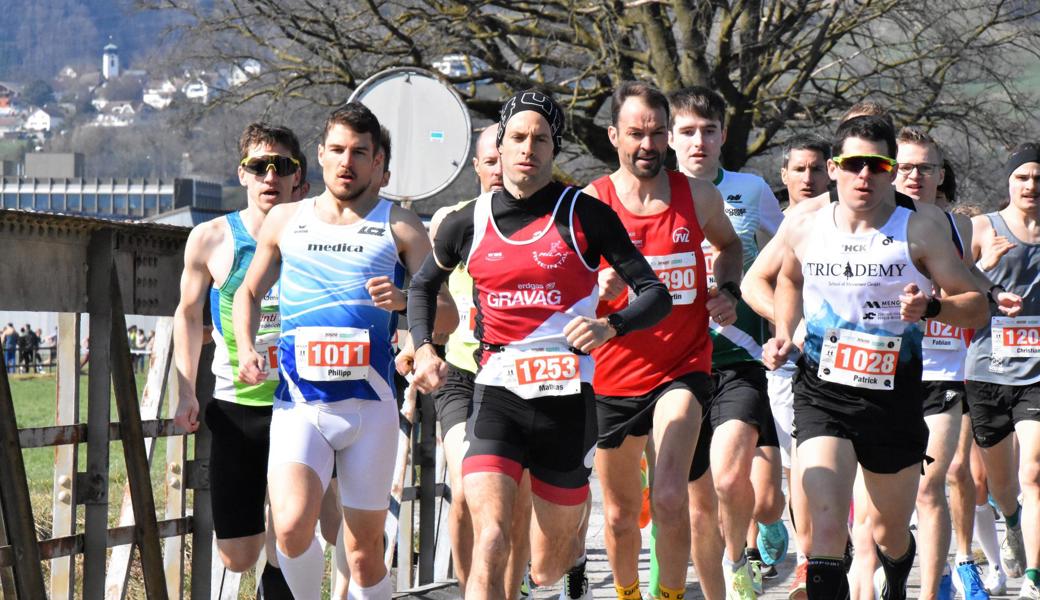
(259, 165)
(875, 162)
(925, 169)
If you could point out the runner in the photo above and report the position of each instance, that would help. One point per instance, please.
(335, 401)
(657, 379)
(216, 257)
(452, 401)
(1003, 367)
(843, 266)
(533, 406)
(804, 173)
(744, 450)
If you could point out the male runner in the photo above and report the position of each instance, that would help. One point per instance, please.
(843, 266)
(918, 175)
(452, 400)
(804, 173)
(335, 401)
(745, 461)
(532, 250)
(1003, 368)
(216, 257)
(658, 378)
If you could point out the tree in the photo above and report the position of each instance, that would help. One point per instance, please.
(781, 65)
(37, 93)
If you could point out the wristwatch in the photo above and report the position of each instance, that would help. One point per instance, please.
(732, 288)
(618, 323)
(932, 310)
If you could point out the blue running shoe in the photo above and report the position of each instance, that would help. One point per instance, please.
(969, 582)
(772, 542)
(945, 585)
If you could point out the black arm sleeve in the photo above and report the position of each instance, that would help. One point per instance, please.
(422, 299)
(652, 302)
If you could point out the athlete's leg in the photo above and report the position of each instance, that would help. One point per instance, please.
(331, 516)
(933, 511)
(767, 483)
(962, 492)
(1029, 479)
(295, 490)
(864, 561)
(460, 524)
(732, 450)
(554, 544)
(1001, 474)
(704, 527)
(828, 468)
(491, 497)
(618, 470)
(677, 422)
(799, 505)
(520, 548)
(892, 504)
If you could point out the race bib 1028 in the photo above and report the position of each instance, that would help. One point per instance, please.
(858, 359)
(332, 353)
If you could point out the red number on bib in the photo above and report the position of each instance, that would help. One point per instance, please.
(537, 369)
(866, 361)
(338, 354)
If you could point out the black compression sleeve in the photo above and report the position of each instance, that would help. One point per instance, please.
(422, 299)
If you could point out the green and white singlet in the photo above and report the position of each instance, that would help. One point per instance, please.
(225, 356)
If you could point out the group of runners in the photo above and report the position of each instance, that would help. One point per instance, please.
(864, 340)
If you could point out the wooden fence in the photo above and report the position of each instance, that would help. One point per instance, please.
(107, 269)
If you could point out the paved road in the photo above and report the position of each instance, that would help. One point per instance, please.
(602, 584)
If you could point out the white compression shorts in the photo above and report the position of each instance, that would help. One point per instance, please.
(781, 401)
(359, 435)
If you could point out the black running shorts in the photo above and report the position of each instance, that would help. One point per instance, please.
(995, 408)
(241, 437)
(622, 416)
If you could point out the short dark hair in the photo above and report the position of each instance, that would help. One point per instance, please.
(949, 185)
(874, 129)
(870, 108)
(650, 95)
(699, 100)
(258, 133)
(384, 144)
(806, 141)
(916, 135)
(359, 119)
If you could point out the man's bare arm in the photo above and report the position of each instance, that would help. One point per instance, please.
(415, 246)
(963, 304)
(187, 321)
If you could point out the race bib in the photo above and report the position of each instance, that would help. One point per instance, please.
(858, 359)
(678, 272)
(332, 353)
(467, 320)
(709, 261)
(1015, 336)
(267, 347)
(942, 336)
(534, 372)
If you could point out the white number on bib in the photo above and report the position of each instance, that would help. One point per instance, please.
(332, 353)
(1016, 336)
(267, 347)
(858, 359)
(678, 272)
(534, 372)
(942, 336)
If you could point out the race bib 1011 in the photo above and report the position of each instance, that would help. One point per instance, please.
(332, 353)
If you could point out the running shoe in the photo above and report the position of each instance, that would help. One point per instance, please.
(755, 567)
(739, 585)
(769, 571)
(799, 589)
(996, 581)
(525, 586)
(945, 591)
(772, 542)
(969, 582)
(1013, 552)
(576, 584)
(1029, 590)
(881, 589)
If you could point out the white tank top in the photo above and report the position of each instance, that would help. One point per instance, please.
(852, 283)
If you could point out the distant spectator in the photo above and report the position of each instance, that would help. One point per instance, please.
(10, 336)
(24, 353)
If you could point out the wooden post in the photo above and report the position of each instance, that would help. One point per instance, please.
(92, 485)
(7, 586)
(118, 573)
(427, 460)
(197, 476)
(442, 560)
(66, 412)
(176, 456)
(137, 472)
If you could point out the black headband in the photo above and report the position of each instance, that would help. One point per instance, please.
(1026, 154)
(540, 103)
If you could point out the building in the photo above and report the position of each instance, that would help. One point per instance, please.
(109, 198)
(43, 120)
(110, 61)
